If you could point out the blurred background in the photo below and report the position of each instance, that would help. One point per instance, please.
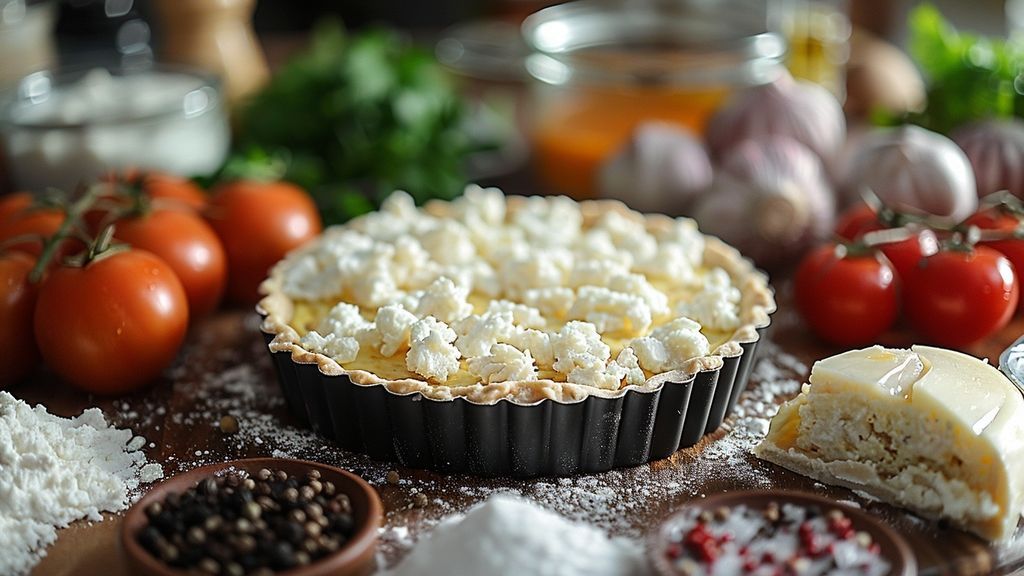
(647, 101)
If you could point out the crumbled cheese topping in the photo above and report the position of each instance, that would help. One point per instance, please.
(670, 346)
(573, 343)
(630, 365)
(717, 305)
(537, 265)
(431, 353)
(503, 363)
(445, 301)
(394, 324)
(341, 349)
(611, 311)
(477, 333)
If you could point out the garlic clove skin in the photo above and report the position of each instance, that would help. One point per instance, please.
(916, 171)
(801, 110)
(771, 201)
(662, 168)
(995, 149)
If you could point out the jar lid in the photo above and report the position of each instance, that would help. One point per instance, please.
(659, 42)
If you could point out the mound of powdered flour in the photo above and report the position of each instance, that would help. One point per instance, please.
(56, 470)
(508, 535)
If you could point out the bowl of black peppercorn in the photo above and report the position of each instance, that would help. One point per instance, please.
(257, 516)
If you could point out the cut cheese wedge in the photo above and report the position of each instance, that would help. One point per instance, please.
(933, 430)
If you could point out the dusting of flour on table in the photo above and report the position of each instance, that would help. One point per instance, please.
(56, 470)
(508, 535)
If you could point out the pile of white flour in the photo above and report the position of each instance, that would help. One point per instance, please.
(508, 535)
(56, 470)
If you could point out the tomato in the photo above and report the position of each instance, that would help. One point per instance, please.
(902, 254)
(259, 222)
(18, 217)
(1012, 248)
(165, 191)
(857, 221)
(113, 325)
(958, 297)
(174, 190)
(846, 299)
(191, 248)
(17, 303)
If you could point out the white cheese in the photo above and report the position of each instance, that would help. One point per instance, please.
(637, 285)
(717, 305)
(589, 370)
(431, 353)
(503, 363)
(553, 302)
(522, 315)
(341, 349)
(477, 333)
(549, 221)
(574, 340)
(670, 346)
(343, 319)
(394, 323)
(445, 301)
(611, 311)
(537, 343)
(449, 243)
(630, 365)
(595, 272)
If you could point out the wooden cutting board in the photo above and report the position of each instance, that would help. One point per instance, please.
(225, 359)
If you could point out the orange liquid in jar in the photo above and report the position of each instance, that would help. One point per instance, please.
(577, 129)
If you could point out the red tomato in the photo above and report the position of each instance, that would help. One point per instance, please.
(847, 300)
(1012, 248)
(17, 303)
(113, 325)
(175, 189)
(957, 297)
(857, 221)
(903, 254)
(191, 248)
(18, 217)
(259, 223)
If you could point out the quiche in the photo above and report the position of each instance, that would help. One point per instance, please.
(934, 430)
(489, 297)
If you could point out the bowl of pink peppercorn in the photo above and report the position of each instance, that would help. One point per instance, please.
(771, 533)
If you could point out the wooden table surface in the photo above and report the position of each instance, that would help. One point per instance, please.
(224, 369)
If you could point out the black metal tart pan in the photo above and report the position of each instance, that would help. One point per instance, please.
(547, 438)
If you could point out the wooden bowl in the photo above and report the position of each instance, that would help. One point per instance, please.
(355, 558)
(893, 548)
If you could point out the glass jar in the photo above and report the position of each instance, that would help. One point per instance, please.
(59, 130)
(600, 69)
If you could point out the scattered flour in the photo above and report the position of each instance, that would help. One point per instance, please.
(56, 470)
(509, 535)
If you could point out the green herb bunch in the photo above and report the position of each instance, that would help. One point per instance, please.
(969, 77)
(356, 117)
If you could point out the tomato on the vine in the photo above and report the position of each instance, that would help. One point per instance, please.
(903, 254)
(959, 296)
(188, 245)
(845, 298)
(20, 217)
(259, 222)
(114, 324)
(1012, 248)
(17, 305)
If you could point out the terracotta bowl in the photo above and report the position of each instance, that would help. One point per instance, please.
(356, 558)
(893, 548)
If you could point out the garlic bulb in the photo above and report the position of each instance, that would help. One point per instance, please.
(995, 149)
(771, 200)
(916, 171)
(660, 169)
(801, 110)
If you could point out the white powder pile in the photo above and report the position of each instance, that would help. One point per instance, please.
(56, 470)
(507, 535)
